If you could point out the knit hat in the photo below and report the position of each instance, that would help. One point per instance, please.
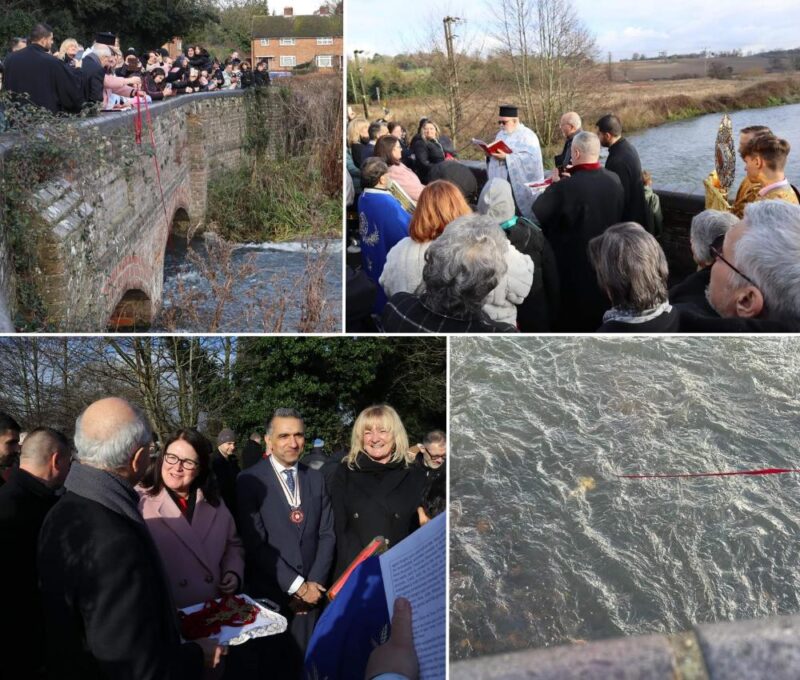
(226, 436)
(496, 200)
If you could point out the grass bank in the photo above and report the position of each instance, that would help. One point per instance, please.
(282, 201)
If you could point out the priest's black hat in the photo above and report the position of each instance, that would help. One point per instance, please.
(509, 111)
(105, 38)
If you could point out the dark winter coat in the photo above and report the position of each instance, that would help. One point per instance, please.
(691, 292)
(93, 75)
(108, 609)
(226, 470)
(47, 81)
(623, 159)
(24, 502)
(427, 152)
(372, 500)
(572, 212)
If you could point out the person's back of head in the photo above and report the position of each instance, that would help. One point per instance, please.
(497, 200)
(45, 454)
(439, 204)
(357, 130)
(384, 148)
(587, 144)
(610, 125)
(374, 130)
(768, 251)
(371, 172)
(40, 33)
(463, 266)
(631, 267)
(109, 433)
(708, 226)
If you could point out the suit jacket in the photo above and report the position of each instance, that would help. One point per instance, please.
(572, 212)
(108, 609)
(196, 556)
(24, 502)
(623, 159)
(277, 549)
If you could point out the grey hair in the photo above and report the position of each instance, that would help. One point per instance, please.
(463, 266)
(768, 251)
(102, 50)
(284, 413)
(116, 451)
(434, 436)
(588, 143)
(572, 118)
(631, 266)
(707, 226)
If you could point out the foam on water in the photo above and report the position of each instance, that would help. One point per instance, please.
(539, 563)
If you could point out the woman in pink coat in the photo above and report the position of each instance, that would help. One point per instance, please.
(190, 525)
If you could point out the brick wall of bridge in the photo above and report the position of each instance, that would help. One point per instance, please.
(106, 227)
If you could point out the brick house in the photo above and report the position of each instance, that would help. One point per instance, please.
(291, 40)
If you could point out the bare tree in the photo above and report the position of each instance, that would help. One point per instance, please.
(551, 55)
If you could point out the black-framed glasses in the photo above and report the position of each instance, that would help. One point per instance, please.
(503, 122)
(716, 250)
(188, 463)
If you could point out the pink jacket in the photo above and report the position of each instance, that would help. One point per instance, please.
(115, 84)
(196, 555)
(407, 180)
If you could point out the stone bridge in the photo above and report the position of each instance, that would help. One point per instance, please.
(102, 255)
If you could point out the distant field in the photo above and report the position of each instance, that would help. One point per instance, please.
(683, 68)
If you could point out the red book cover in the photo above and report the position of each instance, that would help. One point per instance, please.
(494, 147)
(376, 546)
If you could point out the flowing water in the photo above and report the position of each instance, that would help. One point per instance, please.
(548, 546)
(680, 155)
(274, 272)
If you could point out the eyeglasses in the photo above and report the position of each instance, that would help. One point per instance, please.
(716, 250)
(503, 122)
(188, 463)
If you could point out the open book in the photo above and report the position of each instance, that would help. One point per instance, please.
(358, 619)
(494, 147)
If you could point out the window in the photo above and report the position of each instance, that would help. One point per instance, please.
(324, 41)
(323, 62)
(287, 41)
(264, 42)
(287, 61)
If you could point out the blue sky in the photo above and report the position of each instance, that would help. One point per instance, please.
(619, 26)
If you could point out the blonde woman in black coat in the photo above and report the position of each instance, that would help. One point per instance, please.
(376, 489)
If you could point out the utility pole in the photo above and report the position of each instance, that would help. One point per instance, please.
(361, 82)
(454, 104)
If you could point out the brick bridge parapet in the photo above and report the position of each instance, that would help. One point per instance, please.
(107, 236)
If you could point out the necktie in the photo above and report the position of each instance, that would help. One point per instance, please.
(290, 480)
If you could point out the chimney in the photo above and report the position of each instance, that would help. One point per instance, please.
(288, 12)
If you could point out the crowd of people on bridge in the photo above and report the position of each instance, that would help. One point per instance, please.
(108, 533)
(576, 251)
(68, 78)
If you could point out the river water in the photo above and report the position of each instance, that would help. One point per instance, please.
(265, 274)
(548, 546)
(680, 155)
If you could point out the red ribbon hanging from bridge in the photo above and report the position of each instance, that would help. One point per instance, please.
(762, 471)
(137, 128)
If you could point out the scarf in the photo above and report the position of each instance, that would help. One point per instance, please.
(106, 488)
(631, 316)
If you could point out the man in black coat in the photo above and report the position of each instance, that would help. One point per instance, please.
(225, 465)
(623, 159)
(47, 81)
(572, 212)
(286, 522)
(570, 125)
(107, 603)
(24, 502)
(93, 72)
(9, 444)
(253, 450)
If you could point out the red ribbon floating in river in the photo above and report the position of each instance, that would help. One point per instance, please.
(763, 471)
